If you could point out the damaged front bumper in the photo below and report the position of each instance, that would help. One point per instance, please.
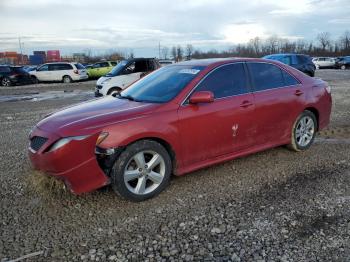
(75, 163)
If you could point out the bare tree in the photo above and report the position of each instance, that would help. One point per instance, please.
(174, 53)
(189, 51)
(179, 52)
(256, 42)
(324, 38)
(165, 52)
(345, 42)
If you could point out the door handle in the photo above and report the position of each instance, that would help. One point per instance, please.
(298, 93)
(246, 103)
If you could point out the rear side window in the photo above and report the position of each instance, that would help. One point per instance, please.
(304, 59)
(141, 66)
(266, 76)
(228, 80)
(104, 64)
(79, 66)
(19, 70)
(59, 67)
(4, 69)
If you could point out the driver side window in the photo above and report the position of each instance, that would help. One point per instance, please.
(44, 68)
(129, 69)
(225, 81)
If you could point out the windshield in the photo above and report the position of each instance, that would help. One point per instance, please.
(118, 68)
(162, 85)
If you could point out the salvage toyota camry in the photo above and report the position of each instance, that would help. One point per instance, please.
(178, 119)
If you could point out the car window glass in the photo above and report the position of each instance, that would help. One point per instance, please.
(113, 63)
(44, 68)
(162, 85)
(294, 60)
(225, 81)
(141, 66)
(151, 65)
(4, 69)
(129, 69)
(104, 64)
(79, 66)
(288, 79)
(266, 76)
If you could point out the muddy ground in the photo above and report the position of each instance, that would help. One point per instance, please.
(275, 205)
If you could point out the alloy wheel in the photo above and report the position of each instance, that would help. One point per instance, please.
(144, 172)
(305, 130)
(5, 82)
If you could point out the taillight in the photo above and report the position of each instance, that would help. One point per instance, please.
(76, 72)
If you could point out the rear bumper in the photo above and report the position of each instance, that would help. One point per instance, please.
(75, 163)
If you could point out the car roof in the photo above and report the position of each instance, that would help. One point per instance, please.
(281, 54)
(216, 61)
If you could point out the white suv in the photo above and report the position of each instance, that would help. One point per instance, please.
(60, 71)
(324, 62)
(124, 74)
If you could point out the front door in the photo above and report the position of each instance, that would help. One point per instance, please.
(224, 126)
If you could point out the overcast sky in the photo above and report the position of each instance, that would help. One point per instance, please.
(79, 25)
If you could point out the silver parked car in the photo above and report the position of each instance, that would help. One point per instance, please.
(324, 62)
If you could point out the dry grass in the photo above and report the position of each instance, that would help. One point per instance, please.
(46, 185)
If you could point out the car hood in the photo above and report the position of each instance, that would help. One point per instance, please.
(89, 117)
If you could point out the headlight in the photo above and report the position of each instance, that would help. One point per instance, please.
(60, 143)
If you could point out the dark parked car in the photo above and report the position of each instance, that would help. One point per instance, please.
(301, 62)
(343, 62)
(13, 75)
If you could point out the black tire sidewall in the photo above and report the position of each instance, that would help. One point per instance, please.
(112, 89)
(67, 77)
(302, 115)
(117, 172)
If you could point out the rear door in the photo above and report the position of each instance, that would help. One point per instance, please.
(278, 100)
(223, 126)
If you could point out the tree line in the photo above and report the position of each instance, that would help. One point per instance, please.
(323, 45)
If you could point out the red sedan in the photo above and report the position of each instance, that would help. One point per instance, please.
(178, 119)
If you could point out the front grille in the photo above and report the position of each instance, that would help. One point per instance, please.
(37, 142)
(99, 87)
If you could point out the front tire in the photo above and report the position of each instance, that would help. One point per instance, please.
(343, 67)
(141, 171)
(114, 89)
(303, 131)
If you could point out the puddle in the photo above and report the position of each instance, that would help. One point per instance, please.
(332, 140)
(50, 95)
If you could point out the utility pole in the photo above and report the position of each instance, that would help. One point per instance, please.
(20, 48)
(159, 50)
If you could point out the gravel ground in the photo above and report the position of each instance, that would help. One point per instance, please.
(275, 205)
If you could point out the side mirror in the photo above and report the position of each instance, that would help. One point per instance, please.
(201, 97)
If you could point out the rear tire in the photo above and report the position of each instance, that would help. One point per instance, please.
(141, 171)
(343, 67)
(34, 80)
(67, 79)
(303, 131)
(6, 81)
